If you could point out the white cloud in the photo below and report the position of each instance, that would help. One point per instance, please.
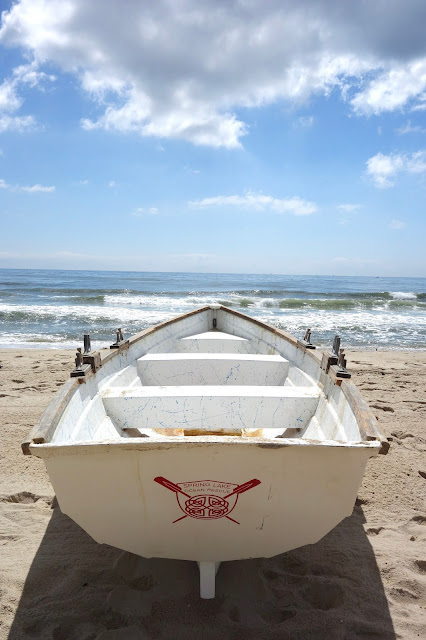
(258, 202)
(10, 101)
(392, 89)
(355, 262)
(112, 183)
(16, 123)
(30, 75)
(396, 225)
(183, 69)
(384, 168)
(36, 188)
(409, 128)
(141, 211)
(349, 208)
(70, 254)
(304, 122)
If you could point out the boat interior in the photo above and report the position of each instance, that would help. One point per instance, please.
(210, 376)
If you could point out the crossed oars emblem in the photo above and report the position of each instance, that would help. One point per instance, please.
(206, 506)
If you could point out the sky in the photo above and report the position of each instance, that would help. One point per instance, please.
(214, 136)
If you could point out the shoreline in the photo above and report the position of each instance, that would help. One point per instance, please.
(367, 577)
(46, 346)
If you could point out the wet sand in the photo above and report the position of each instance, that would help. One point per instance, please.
(365, 579)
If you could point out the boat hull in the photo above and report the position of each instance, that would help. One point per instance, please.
(207, 501)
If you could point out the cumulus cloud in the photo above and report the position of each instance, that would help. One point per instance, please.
(392, 89)
(183, 69)
(36, 188)
(259, 202)
(16, 123)
(141, 211)
(384, 168)
(10, 101)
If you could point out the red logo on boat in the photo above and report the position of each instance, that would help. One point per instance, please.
(207, 499)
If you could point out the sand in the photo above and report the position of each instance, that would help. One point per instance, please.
(365, 579)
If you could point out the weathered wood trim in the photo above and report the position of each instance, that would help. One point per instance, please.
(44, 429)
(140, 444)
(367, 423)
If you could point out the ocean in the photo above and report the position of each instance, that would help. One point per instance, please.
(53, 309)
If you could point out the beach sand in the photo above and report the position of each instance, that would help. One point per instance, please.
(365, 579)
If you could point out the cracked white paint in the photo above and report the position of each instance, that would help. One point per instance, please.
(231, 410)
(212, 369)
(215, 342)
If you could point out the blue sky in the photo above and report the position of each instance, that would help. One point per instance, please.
(279, 137)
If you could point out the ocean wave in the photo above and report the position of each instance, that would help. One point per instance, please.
(402, 295)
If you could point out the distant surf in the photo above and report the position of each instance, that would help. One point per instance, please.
(47, 308)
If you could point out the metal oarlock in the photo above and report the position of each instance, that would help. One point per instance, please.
(306, 342)
(341, 364)
(335, 362)
(336, 347)
(87, 345)
(78, 359)
(81, 368)
(331, 358)
(119, 340)
(86, 361)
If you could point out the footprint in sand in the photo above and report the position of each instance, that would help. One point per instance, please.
(293, 566)
(403, 595)
(79, 631)
(401, 435)
(383, 408)
(419, 519)
(234, 614)
(374, 531)
(23, 497)
(420, 565)
(275, 616)
(324, 595)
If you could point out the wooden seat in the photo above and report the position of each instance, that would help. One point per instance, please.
(212, 369)
(197, 410)
(215, 342)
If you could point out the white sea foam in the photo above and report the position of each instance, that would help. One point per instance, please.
(401, 295)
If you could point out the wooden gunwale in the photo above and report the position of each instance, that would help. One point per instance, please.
(140, 444)
(45, 427)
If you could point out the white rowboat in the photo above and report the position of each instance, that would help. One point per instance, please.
(210, 437)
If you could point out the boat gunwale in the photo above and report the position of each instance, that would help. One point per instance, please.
(44, 429)
(151, 444)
